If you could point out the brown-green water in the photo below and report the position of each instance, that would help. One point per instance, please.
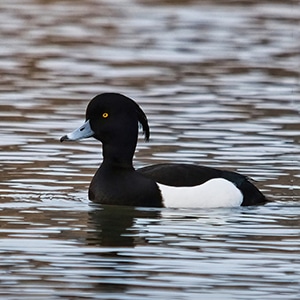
(220, 83)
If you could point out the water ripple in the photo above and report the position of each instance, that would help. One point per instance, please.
(220, 85)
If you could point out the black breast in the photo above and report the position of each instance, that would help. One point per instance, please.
(122, 186)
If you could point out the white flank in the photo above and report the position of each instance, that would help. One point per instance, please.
(217, 192)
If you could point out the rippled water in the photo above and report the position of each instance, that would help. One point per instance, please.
(219, 81)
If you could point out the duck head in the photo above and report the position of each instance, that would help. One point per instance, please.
(112, 119)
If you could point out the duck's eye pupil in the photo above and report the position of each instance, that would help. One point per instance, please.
(105, 115)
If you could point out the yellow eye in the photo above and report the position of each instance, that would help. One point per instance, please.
(105, 115)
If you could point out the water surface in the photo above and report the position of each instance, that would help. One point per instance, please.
(219, 82)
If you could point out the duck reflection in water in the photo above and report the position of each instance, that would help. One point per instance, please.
(116, 226)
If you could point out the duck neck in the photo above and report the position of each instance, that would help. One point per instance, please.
(119, 155)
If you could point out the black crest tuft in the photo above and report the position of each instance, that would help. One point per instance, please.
(143, 121)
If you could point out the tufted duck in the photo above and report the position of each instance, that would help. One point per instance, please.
(113, 119)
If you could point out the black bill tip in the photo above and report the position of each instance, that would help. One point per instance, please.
(64, 138)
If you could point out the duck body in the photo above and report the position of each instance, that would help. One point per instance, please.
(113, 120)
(199, 186)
